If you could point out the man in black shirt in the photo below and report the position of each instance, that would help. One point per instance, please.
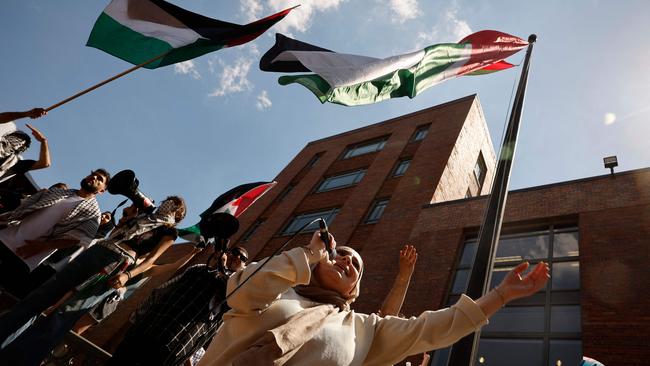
(180, 316)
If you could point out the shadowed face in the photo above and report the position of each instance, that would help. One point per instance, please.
(341, 274)
(94, 183)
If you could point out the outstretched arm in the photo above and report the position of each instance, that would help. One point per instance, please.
(12, 116)
(44, 154)
(393, 302)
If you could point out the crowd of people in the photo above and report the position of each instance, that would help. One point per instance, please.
(68, 265)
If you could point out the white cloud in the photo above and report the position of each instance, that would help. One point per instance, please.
(404, 10)
(263, 101)
(187, 68)
(609, 118)
(252, 9)
(449, 29)
(300, 19)
(233, 78)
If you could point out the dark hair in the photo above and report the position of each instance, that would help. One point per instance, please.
(23, 136)
(103, 172)
(237, 250)
(59, 185)
(182, 210)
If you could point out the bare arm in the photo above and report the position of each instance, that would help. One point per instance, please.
(12, 116)
(393, 302)
(44, 160)
(121, 279)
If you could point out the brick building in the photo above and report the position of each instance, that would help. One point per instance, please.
(419, 179)
(422, 179)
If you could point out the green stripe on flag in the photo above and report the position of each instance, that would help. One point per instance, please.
(114, 38)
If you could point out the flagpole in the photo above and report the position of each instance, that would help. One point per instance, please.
(105, 82)
(465, 351)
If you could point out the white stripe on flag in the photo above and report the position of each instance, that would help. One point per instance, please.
(340, 69)
(176, 37)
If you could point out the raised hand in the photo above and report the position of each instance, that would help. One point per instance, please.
(38, 135)
(407, 258)
(515, 286)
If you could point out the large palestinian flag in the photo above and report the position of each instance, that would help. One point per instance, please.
(233, 202)
(139, 30)
(354, 80)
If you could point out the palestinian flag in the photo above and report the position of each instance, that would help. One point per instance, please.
(139, 30)
(354, 80)
(233, 202)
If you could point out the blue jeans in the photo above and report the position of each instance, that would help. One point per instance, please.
(88, 263)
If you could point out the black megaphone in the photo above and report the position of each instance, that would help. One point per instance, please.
(126, 184)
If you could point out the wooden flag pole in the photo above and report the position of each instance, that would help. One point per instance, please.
(105, 82)
(465, 351)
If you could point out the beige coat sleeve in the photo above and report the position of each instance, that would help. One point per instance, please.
(396, 338)
(282, 272)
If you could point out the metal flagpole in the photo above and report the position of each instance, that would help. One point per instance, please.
(105, 82)
(465, 351)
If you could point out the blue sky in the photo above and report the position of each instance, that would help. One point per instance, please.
(202, 127)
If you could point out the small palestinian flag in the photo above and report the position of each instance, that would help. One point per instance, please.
(233, 202)
(354, 80)
(139, 30)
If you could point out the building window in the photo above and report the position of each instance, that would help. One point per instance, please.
(480, 170)
(341, 180)
(286, 191)
(249, 233)
(543, 329)
(420, 133)
(299, 220)
(364, 148)
(401, 168)
(314, 160)
(376, 211)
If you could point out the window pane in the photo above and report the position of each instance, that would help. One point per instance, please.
(566, 276)
(441, 357)
(565, 245)
(460, 282)
(510, 352)
(365, 148)
(303, 219)
(480, 169)
(517, 319)
(469, 252)
(564, 352)
(565, 318)
(517, 249)
(340, 181)
(402, 167)
(377, 211)
(420, 133)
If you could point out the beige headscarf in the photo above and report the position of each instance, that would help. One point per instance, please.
(278, 345)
